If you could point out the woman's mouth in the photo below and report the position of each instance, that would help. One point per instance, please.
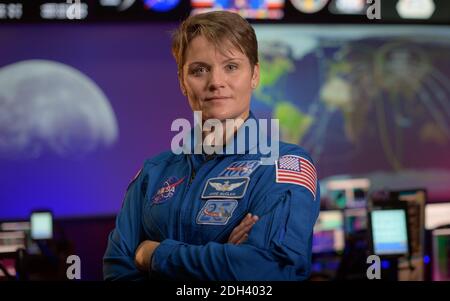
(216, 98)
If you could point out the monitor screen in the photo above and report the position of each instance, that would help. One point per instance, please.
(337, 199)
(437, 215)
(131, 87)
(15, 226)
(41, 225)
(355, 220)
(10, 241)
(389, 232)
(441, 254)
(346, 193)
(329, 232)
(344, 110)
(265, 9)
(415, 200)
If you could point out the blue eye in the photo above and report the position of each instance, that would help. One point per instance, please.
(199, 71)
(231, 67)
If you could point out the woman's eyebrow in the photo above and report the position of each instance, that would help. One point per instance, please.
(233, 59)
(197, 63)
(206, 64)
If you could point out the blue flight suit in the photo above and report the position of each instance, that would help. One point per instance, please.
(192, 202)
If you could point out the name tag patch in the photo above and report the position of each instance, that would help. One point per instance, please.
(216, 212)
(225, 187)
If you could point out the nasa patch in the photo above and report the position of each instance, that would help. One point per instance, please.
(167, 190)
(216, 212)
(240, 168)
(225, 187)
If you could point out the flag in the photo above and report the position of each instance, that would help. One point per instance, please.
(297, 170)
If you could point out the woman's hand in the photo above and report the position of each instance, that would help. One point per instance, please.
(144, 254)
(145, 250)
(240, 233)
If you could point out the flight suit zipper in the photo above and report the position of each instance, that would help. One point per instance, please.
(186, 192)
(192, 175)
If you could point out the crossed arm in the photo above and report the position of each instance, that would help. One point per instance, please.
(274, 245)
(144, 251)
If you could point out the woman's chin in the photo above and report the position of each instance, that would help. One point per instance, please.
(223, 113)
(217, 114)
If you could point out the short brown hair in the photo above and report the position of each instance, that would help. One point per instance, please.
(215, 26)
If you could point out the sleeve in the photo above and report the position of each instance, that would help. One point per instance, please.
(118, 261)
(278, 248)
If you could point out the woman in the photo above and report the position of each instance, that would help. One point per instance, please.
(223, 216)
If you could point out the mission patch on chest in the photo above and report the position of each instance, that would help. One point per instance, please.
(216, 212)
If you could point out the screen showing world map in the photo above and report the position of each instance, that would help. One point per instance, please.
(82, 107)
(367, 101)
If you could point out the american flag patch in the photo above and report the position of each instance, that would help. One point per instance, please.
(297, 170)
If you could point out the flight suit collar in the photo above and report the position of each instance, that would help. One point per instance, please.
(240, 135)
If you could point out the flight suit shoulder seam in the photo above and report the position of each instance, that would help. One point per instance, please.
(157, 160)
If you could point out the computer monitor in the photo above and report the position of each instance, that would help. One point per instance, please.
(11, 241)
(15, 226)
(389, 231)
(41, 225)
(329, 232)
(265, 9)
(437, 215)
(338, 199)
(355, 220)
(412, 268)
(24, 228)
(441, 254)
(348, 193)
(13, 236)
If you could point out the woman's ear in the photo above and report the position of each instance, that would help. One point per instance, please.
(255, 76)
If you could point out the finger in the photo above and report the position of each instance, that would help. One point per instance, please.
(245, 221)
(239, 233)
(233, 238)
(242, 228)
(243, 239)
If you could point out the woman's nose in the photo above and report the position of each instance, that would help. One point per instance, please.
(217, 80)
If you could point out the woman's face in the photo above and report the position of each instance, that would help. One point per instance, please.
(218, 83)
